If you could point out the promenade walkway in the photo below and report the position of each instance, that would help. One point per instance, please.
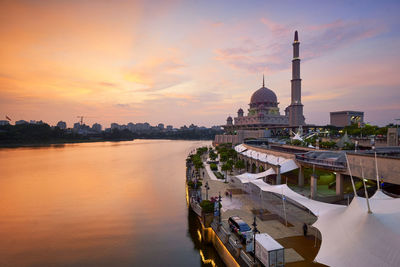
(299, 250)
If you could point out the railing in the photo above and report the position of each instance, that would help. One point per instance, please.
(328, 163)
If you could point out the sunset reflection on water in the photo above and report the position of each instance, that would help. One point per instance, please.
(96, 204)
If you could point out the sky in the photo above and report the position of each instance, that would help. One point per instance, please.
(183, 62)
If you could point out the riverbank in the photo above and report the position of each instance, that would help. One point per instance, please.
(284, 227)
(63, 142)
(59, 142)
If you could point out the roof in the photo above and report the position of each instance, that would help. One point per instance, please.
(347, 111)
(268, 242)
(263, 95)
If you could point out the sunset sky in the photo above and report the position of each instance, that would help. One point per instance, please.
(183, 62)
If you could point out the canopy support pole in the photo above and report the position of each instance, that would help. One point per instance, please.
(284, 208)
(377, 175)
(365, 188)
(351, 176)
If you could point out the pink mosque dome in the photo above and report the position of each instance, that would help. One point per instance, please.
(263, 96)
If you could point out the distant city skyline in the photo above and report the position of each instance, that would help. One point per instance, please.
(183, 62)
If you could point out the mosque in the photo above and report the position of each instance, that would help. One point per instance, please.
(263, 113)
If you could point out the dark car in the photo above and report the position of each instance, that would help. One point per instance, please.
(240, 227)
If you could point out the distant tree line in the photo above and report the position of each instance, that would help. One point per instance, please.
(42, 133)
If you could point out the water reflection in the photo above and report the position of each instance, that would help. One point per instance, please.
(208, 255)
(96, 204)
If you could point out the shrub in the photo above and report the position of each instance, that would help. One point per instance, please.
(219, 175)
(207, 206)
(214, 167)
(192, 185)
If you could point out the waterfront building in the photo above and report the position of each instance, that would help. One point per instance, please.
(346, 118)
(4, 122)
(62, 125)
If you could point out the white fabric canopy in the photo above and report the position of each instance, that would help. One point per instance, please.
(288, 165)
(240, 148)
(380, 195)
(247, 177)
(314, 206)
(352, 237)
(271, 159)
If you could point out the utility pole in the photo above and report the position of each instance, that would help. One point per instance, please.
(219, 208)
(207, 188)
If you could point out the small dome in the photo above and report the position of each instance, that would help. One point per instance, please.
(229, 120)
(263, 95)
(240, 110)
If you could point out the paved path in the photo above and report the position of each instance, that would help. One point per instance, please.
(243, 205)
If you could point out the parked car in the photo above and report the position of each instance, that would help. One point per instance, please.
(240, 227)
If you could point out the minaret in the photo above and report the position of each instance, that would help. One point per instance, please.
(296, 117)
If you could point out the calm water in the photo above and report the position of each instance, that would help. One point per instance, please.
(98, 204)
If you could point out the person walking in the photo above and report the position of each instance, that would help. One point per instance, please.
(305, 229)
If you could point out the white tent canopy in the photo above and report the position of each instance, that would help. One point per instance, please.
(271, 159)
(314, 206)
(288, 165)
(247, 177)
(240, 148)
(352, 237)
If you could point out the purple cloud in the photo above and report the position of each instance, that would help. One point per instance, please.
(259, 55)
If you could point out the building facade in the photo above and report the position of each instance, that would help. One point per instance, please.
(346, 118)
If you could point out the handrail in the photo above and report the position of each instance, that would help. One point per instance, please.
(321, 161)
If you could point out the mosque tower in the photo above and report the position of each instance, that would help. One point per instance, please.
(295, 109)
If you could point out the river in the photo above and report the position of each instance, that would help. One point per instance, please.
(99, 204)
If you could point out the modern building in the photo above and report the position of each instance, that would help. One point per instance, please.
(346, 118)
(77, 126)
(4, 122)
(263, 112)
(62, 125)
(96, 127)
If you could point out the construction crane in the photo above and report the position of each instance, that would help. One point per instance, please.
(81, 118)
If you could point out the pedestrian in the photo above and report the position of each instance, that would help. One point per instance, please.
(305, 229)
(230, 194)
(203, 174)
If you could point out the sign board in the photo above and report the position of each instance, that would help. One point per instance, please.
(216, 208)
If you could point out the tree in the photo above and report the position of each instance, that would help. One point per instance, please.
(223, 156)
(212, 155)
(240, 165)
(226, 167)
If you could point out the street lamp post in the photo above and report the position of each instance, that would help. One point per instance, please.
(207, 188)
(219, 208)
(255, 231)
